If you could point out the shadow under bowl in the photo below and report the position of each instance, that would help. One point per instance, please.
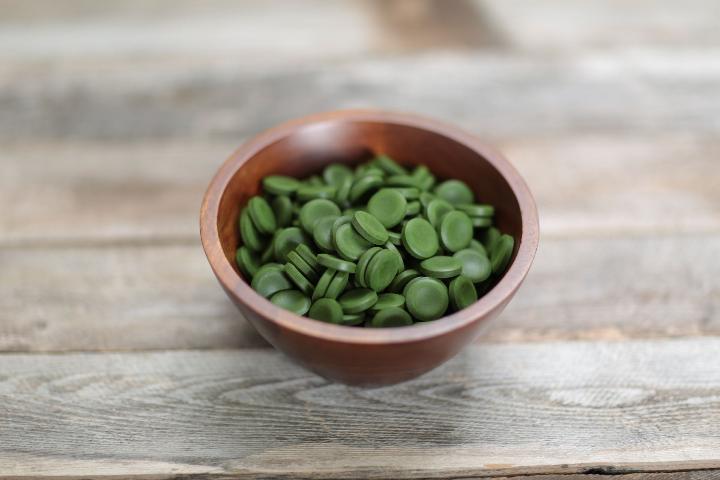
(364, 356)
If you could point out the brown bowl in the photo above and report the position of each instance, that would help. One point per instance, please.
(364, 356)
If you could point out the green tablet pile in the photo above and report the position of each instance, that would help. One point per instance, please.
(379, 246)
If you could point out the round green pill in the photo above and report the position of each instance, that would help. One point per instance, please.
(292, 300)
(388, 300)
(337, 174)
(489, 238)
(342, 195)
(426, 198)
(349, 243)
(339, 221)
(298, 278)
(358, 300)
(363, 186)
(369, 169)
(441, 267)
(363, 263)
(402, 279)
(413, 208)
(280, 185)
(381, 270)
(501, 253)
(462, 292)
(437, 209)
(326, 310)
(390, 166)
(388, 205)
(309, 273)
(287, 240)
(331, 261)
(398, 255)
(316, 209)
(395, 238)
(310, 192)
(268, 281)
(477, 210)
(370, 228)
(480, 222)
(269, 266)
(262, 215)
(475, 265)
(283, 209)
(426, 298)
(475, 245)
(323, 233)
(313, 181)
(268, 253)
(427, 182)
(247, 261)
(420, 172)
(456, 231)
(248, 232)
(337, 284)
(455, 191)
(323, 284)
(410, 193)
(391, 317)
(350, 319)
(402, 181)
(307, 255)
(419, 238)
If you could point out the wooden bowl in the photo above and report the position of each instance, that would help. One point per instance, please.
(363, 356)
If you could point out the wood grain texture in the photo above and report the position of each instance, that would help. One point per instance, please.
(166, 29)
(165, 297)
(495, 410)
(583, 184)
(566, 26)
(115, 298)
(620, 474)
(492, 93)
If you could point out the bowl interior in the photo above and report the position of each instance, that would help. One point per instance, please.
(306, 150)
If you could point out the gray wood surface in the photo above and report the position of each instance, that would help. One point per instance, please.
(512, 94)
(151, 191)
(636, 406)
(621, 474)
(164, 296)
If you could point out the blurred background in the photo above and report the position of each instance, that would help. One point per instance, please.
(114, 115)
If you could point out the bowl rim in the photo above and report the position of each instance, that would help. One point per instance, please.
(495, 298)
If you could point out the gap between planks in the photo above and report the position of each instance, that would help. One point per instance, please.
(495, 410)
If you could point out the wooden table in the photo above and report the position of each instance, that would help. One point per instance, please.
(122, 357)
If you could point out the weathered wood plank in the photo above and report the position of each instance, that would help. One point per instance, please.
(115, 298)
(165, 297)
(264, 32)
(493, 93)
(567, 26)
(620, 474)
(163, 28)
(78, 192)
(495, 410)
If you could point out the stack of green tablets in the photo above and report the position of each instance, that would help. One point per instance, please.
(379, 246)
